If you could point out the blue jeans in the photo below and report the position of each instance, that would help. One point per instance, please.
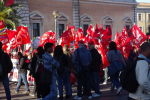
(6, 87)
(95, 81)
(22, 76)
(53, 89)
(115, 80)
(64, 81)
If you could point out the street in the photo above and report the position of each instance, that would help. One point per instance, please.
(106, 94)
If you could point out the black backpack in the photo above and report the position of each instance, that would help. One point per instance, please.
(44, 77)
(128, 76)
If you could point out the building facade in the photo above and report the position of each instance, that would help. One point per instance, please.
(116, 14)
(143, 17)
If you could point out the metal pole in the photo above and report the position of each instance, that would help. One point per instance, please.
(145, 22)
(56, 28)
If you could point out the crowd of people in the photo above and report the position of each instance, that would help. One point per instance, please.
(51, 67)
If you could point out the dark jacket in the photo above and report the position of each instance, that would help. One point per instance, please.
(6, 63)
(20, 65)
(64, 64)
(96, 60)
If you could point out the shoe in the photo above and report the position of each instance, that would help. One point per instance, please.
(32, 95)
(104, 83)
(77, 98)
(68, 96)
(96, 95)
(119, 90)
(16, 92)
(61, 98)
(39, 99)
(90, 97)
(27, 92)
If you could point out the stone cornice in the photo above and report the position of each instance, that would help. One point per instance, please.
(108, 2)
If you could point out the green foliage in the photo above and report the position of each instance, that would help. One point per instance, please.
(9, 15)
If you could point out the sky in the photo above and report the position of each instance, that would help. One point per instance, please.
(143, 1)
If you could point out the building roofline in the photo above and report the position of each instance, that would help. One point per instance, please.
(110, 2)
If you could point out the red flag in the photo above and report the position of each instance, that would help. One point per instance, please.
(23, 35)
(68, 36)
(9, 2)
(103, 52)
(105, 39)
(139, 36)
(12, 38)
(48, 37)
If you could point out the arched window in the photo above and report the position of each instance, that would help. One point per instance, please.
(36, 23)
(127, 23)
(85, 22)
(107, 22)
(61, 24)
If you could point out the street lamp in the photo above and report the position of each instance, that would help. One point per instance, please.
(56, 15)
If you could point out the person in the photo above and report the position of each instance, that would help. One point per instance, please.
(82, 59)
(50, 64)
(63, 72)
(142, 74)
(95, 69)
(117, 63)
(22, 74)
(6, 66)
(34, 72)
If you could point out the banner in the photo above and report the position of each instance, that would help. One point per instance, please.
(48, 37)
(22, 35)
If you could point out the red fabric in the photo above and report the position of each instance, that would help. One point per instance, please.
(2, 25)
(22, 35)
(123, 42)
(12, 38)
(68, 36)
(103, 52)
(48, 37)
(9, 2)
(103, 41)
(139, 36)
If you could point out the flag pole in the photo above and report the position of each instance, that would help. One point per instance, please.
(56, 15)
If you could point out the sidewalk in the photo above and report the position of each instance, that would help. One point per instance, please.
(106, 93)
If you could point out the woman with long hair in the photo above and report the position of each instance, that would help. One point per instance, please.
(63, 72)
(117, 63)
(37, 57)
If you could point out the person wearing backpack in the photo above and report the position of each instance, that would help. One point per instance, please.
(142, 72)
(95, 69)
(22, 74)
(63, 73)
(50, 64)
(35, 71)
(5, 68)
(117, 63)
(82, 60)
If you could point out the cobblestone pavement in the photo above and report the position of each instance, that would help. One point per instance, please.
(106, 93)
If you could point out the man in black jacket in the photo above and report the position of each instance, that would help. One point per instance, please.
(6, 67)
(95, 69)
